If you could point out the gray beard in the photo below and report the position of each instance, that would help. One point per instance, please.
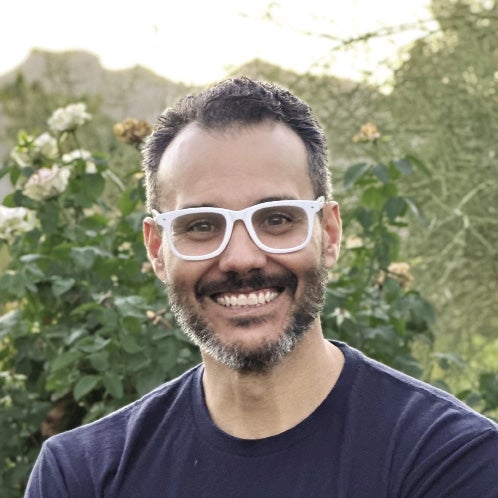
(266, 356)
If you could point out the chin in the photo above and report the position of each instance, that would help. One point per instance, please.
(258, 355)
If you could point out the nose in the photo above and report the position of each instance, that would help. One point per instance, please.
(241, 254)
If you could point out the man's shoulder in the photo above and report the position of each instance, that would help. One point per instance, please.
(400, 395)
(115, 427)
(435, 444)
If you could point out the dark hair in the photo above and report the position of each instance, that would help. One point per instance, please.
(238, 101)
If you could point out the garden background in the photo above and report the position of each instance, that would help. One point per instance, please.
(84, 325)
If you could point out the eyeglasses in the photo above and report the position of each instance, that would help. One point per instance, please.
(276, 227)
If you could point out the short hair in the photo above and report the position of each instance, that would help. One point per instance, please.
(238, 101)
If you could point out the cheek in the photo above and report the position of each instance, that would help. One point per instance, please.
(183, 275)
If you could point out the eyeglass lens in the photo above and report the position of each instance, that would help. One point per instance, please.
(197, 234)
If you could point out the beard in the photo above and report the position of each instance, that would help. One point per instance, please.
(236, 356)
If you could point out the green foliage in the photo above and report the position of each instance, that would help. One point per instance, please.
(445, 94)
(85, 326)
(84, 329)
(444, 105)
(370, 303)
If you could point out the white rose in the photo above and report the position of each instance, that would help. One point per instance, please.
(68, 118)
(14, 221)
(46, 145)
(21, 157)
(47, 183)
(83, 154)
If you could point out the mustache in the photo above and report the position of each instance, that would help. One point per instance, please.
(234, 282)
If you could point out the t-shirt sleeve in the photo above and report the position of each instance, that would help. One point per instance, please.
(461, 468)
(46, 479)
(63, 469)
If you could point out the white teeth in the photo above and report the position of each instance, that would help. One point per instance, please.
(252, 299)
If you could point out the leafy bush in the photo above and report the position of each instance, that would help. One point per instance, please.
(86, 327)
(371, 303)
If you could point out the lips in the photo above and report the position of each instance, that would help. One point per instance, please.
(256, 289)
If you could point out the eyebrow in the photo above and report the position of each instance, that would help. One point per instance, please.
(259, 201)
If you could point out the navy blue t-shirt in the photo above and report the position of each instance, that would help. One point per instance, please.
(378, 434)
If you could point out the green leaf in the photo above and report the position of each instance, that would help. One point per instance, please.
(373, 197)
(86, 190)
(48, 214)
(488, 386)
(404, 166)
(61, 285)
(419, 164)
(137, 362)
(9, 200)
(148, 380)
(366, 218)
(113, 384)
(29, 258)
(129, 344)
(409, 365)
(84, 386)
(65, 359)
(132, 325)
(75, 334)
(130, 306)
(84, 257)
(395, 206)
(9, 322)
(354, 173)
(99, 361)
(128, 201)
(447, 360)
(12, 286)
(382, 173)
(93, 344)
(416, 212)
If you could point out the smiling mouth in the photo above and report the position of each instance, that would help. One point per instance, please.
(255, 298)
(255, 290)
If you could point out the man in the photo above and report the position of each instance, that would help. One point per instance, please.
(242, 234)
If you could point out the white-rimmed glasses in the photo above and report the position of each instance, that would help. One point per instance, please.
(276, 227)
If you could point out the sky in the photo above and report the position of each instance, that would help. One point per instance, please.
(197, 41)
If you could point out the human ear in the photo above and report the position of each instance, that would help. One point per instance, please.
(332, 232)
(153, 244)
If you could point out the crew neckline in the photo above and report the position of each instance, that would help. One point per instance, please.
(273, 444)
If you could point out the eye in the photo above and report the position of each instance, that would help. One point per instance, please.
(198, 226)
(274, 220)
(277, 219)
(202, 226)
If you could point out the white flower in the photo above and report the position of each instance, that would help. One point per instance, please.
(83, 154)
(68, 118)
(46, 145)
(354, 242)
(20, 153)
(21, 157)
(14, 221)
(47, 183)
(340, 315)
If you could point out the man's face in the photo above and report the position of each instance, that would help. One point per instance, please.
(245, 308)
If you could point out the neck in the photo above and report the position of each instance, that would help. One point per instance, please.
(257, 405)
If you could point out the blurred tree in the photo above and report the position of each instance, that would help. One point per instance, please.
(445, 103)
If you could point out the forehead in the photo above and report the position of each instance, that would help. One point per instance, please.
(233, 167)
